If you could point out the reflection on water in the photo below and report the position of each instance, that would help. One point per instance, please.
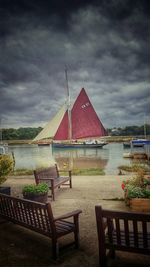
(33, 156)
(80, 158)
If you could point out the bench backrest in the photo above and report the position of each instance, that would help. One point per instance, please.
(33, 215)
(123, 223)
(42, 174)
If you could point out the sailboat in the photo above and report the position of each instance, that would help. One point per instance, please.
(76, 127)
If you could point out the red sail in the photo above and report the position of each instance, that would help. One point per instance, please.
(85, 122)
(62, 131)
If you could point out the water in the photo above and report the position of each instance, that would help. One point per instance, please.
(33, 156)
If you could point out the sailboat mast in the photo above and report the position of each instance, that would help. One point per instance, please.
(68, 108)
(1, 135)
(144, 126)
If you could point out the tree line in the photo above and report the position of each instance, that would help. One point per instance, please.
(28, 133)
(131, 130)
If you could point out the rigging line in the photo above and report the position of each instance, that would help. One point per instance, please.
(68, 107)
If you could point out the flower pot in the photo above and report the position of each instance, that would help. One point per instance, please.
(140, 204)
(5, 190)
(36, 197)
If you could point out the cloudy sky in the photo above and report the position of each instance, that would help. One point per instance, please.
(105, 46)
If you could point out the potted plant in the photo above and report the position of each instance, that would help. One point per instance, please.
(137, 192)
(6, 166)
(35, 192)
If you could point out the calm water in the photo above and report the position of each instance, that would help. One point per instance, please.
(33, 156)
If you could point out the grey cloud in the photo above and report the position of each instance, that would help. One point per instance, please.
(107, 55)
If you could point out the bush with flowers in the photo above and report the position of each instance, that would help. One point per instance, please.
(136, 187)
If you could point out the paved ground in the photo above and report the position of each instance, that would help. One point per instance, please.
(21, 247)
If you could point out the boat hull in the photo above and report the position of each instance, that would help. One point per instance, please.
(140, 142)
(126, 145)
(59, 145)
(44, 144)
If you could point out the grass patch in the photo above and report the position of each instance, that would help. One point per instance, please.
(97, 171)
(135, 168)
(114, 199)
(22, 172)
(77, 172)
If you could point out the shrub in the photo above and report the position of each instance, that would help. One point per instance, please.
(136, 187)
(35, 189)
(6, 166)
(134, 191)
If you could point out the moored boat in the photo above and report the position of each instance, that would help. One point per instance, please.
(139, 142)
(86, 144)
(73, 127)
(126, 144)
(3, 149)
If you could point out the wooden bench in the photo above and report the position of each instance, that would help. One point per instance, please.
(52, 177)
(125, 231)
(39, 218)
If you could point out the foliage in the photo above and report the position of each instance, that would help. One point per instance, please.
(35, 189)
(28, 133)
(135, 168)
(134, 191)
(6, 166)
(130, 130)
(137, 187)
(20, 133)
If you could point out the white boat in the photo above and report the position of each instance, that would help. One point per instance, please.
(3, 149)
(3, 146)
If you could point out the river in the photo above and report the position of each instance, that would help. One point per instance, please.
(34, 156)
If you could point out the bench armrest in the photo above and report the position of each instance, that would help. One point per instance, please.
(68, 215)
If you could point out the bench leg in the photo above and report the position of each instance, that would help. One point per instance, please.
(70, 183)
(70, 176)
(102, 262)
(102, 255)
(76, 231)
(55, 249)
(53, 193)
(53, 190)
(102, 259)
(112, 253)
(76, 237)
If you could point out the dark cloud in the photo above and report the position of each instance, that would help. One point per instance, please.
(104, 44)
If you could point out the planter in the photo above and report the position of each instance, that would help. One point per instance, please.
(42, 198)
(5, 190)
(140, 204)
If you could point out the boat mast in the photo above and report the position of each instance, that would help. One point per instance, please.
(1, 135)
(144, 126)
(68, 108)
